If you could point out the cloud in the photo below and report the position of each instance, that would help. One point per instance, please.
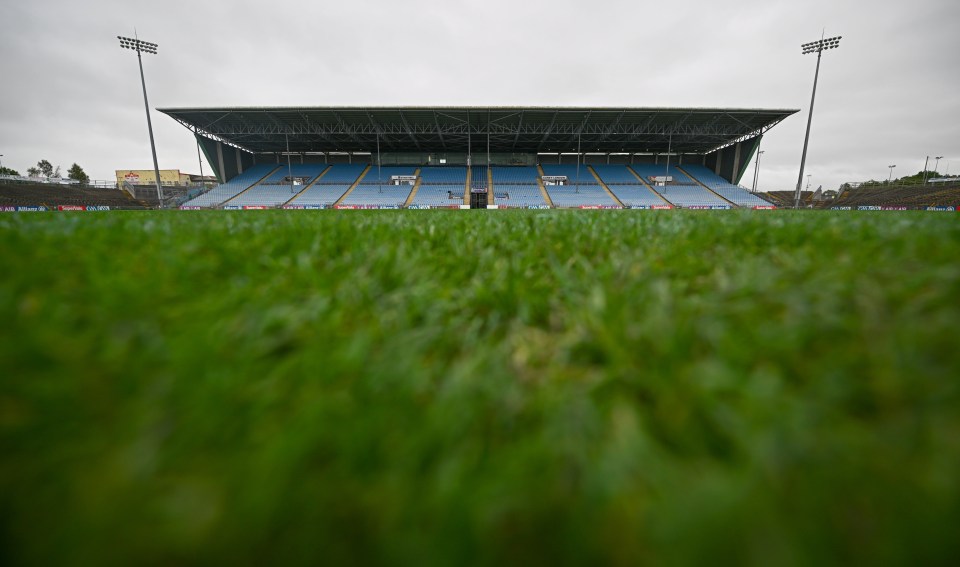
(888, 95)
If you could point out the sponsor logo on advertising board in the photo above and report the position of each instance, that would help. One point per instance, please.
(7, 209)
(314, 207)
(71, 208)
(660, 207)
(132, 178)
(366, 207)
(842, 208)
(700, 207)
(232, 208)
(254, 208)
(640, 207)
(897, 208)
(32, 209)
(868, 208)
(98, 208)
(538, 207)
(294, 207)
(941, 208)
(764, 208)
(189, 208)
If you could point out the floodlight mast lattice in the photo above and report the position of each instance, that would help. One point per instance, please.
(146, 47)
(817, 47)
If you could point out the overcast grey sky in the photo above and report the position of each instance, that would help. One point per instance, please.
(889, 95)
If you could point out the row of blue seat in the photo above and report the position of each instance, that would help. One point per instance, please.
(439, 195)
(567, 196)
(232, 188)
(520, 182)
(733, 193)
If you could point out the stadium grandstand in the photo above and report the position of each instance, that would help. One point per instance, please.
(941, 196)
(26, 195)
(478, 157)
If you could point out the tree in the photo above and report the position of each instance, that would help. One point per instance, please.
(44, 168)
(76, 172)
(8, 171)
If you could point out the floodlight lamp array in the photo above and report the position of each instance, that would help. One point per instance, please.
(821, 45)
(137, 45)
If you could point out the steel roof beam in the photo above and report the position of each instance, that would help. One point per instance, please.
(546, 134)
(436, 120)
(409, 132)
(345, 130)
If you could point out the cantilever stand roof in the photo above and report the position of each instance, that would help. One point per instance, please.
(478, 129)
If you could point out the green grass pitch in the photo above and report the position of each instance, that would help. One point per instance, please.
(495, 387)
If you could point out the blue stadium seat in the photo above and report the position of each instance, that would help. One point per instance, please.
(616, 175)
(381, 175)
(439, 196)
(342, 174)
(478, 176)
(276, 189)
(443, 175)
(571, 172)
(683, 191)
(733, 193)
(232, 188)
(320, 195)
(519, 175)
(378, 195)
(519, 196)
(573, 196)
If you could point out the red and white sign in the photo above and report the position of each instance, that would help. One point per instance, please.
(132, 178)
(71, 208)
(764, 208)
(661, 207)
(254, 207)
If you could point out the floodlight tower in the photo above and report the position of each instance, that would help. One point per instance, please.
(151, 48)
(756, 170)
(817, 47)
(935, 166)
(890, 178)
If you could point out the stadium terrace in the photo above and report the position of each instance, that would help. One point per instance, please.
(458, 157)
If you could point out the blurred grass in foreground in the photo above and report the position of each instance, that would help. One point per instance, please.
(456, 388)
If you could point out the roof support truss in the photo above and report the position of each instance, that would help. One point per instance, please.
(514, 130)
